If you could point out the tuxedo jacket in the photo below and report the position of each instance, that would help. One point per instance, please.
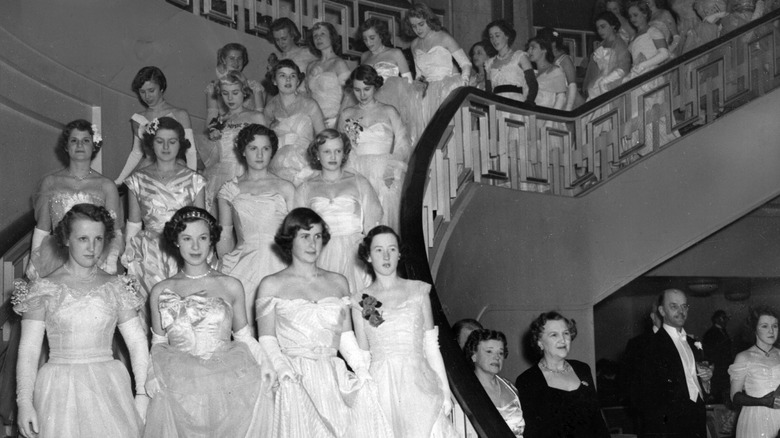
(666, 407)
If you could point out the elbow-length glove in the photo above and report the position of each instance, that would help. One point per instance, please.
(358, 359)
(432, 353)
(26, 371)
(244, 335)
(135, 338)
(281, 364)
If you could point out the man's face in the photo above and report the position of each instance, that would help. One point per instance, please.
(674, 309)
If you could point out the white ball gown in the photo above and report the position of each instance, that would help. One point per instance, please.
(436, 67)
(761, 376)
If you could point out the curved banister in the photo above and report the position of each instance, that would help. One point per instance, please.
(470, 153)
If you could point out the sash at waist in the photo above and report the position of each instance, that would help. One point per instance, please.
(62, 357)
(310, 353)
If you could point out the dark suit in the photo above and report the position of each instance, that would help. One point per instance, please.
(717, 348)
(633, 358)
(666, 407)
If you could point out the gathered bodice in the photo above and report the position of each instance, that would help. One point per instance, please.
(196, 324)
(435, 64)
(605, 58)
(401, 333)
(642, 46)
(761, 375)
(508, 74)
(256, 217)
(327, 90)
(371, 140)
(159, 200)
(80, 323)
(387, 69)
(309, 328)
(296, 129)
(60, 202)
(343, 214)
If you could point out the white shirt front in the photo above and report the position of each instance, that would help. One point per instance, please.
(688, 360)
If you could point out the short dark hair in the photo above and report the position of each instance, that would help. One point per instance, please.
(423, 12)
(465, 323)
(481, 335)
(223, 51)
(335, 38)
(366, 74)
(247, 135)
(545, 45)
(537, 326)
(280, 64)
(300, 218)
(554, 37)
(364, 249)
(95, 213)
(148, 74)
(178, 223)
(286, 23)
(313, 150)
(756, 313)
(610, 18)
(486, 46)
(165, 123)
(505, 27)
(379, 26)
(79, 125)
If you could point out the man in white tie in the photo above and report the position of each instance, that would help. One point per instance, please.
(672, 398)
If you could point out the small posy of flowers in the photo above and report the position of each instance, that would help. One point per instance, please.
(353, 128)
(130, 282)
(369, 305)
(216, 125)
(21, 290)
(151, 127)
(96, 137)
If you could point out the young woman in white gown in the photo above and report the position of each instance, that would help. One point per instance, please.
(254, 205)
(203, 384)
(59, 191)
(304, 320)
(434, 50)
(755, 377)
(380, 144)
(345, 200)
(610, 61)
(393, 321)
(81, 391)
(287, 39)
(325, 77)
(149, 86)
(219, 153)
(231, 57)
(295, 118)
(509, 73)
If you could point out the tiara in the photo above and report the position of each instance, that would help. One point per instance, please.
(199, 214)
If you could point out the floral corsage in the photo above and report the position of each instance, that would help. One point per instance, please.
(696, 343)
(21, 290)
(369, 305)
(216, 125)
(353, 128)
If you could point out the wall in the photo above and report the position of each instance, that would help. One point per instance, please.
(63, 45)
(564, 14)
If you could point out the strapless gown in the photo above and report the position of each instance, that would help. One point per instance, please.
(372, 156)
(508, 74)
(606, 58)
(344, 216)
(762, 375)
(409, 390)
(82, 392)
(295, 133)
(211, 387)
(326, 88)
(226, 168)
(255, 219)
(48, 257)
(144, 256)
(309, 334)
(436, 66)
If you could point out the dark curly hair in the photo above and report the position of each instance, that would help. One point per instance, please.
(300, 218)
(554, 37)
(481, 335)
(247, 135)
(229, 47)
(545, 45)
(610, 18)
(490, 51)
(333, 34)
(280, 64)
(756, 313)
(366, 74)
(94, 213)
(364, 249)
(170, 124)
(80, 125)
(178, 223)
(379, 26)
(312, 152)
(505, 27)
(148, 74)
(286, 23)
(537, 327)
(423, 12)
(233, 77)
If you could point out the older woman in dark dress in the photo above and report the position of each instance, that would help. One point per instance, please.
(558, 395)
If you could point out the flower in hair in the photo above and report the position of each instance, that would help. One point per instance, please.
(151, 127)
(369, 305)
(96, 137)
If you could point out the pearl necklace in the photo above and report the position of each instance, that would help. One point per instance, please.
(196, 277)
(80, 178)
(566, 367)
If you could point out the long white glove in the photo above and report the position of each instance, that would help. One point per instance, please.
(37, 237)
(281, 364)
(408, 76)
(432, 353)
(660, 56)
(153, 386)
(358, 359)
(614, 76)
(244, 335)
(191, 154)
(135, 338)
(135, 157)
(464, 63)
(26, 371)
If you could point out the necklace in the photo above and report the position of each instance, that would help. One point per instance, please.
(80, 178)
(766, 352)
(504, 56)
(566, 367)
(196, 277)
(82, 278)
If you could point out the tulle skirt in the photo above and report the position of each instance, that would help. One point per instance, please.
(436, 92)
(340, 255)
(222, 396)
(89, 400)
(758, 422)
(386, 175)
